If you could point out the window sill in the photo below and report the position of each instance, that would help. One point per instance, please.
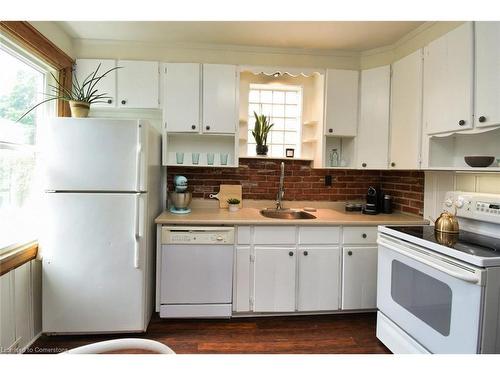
(18, 256)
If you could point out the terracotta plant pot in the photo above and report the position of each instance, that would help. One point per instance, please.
(79, 109)
(261, 149)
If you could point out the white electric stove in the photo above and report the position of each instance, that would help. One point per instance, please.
(440, 293)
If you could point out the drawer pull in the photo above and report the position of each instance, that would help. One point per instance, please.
(364, 235)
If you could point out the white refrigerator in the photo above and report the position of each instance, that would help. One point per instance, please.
(97, 240)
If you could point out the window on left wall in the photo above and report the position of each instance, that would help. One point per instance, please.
(23, 80)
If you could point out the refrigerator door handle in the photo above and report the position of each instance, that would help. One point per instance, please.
(139, 214)
(139, 167)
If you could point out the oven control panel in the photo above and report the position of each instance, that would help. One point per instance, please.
(477, 206)
(197, 235)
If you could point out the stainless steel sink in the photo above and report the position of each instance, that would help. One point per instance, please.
(286, 214)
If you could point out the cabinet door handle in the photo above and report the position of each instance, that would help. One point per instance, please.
(364, 235)
(482, 119)
(110, 101)
(207, 127)
(306, 253)
(124, 102)
(193, 127)
(349, 253)
(290, 253)
(393, 164)
(363, 165)
(461, 122)
(330, 130)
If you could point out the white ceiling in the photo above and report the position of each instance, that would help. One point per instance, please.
(325, 35)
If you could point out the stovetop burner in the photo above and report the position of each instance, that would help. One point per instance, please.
(467, 242)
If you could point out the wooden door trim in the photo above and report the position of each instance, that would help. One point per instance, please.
(29, 38)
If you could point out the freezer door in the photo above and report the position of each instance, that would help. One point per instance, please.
(93, 154)
(93, 250)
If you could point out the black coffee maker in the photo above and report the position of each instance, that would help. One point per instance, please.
(374, 201)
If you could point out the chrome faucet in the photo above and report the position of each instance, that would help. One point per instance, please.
(281, 190)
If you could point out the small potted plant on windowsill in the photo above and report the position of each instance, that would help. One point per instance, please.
(260, 132)
(233, 204)
(81, 95)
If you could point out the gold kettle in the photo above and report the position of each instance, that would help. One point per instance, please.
(446, 223)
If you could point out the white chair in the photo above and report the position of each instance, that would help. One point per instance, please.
(122, 344)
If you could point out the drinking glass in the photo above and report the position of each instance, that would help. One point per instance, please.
(195, 157)
(210, 158)
(223, 159)
(179, 156)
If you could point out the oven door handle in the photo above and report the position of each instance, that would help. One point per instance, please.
(470, 278)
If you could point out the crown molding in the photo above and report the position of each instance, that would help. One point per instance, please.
(225, 47)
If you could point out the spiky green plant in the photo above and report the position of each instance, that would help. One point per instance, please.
(261, 128)
(79, 92)
(233, 201)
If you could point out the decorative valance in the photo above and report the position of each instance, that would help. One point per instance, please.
(277, 71)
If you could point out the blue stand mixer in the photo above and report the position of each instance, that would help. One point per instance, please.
(180, 198)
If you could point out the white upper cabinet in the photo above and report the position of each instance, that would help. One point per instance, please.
(135, 85)
(138, 84)
(201, 98)
(219, 98)
(373, 132)
(182, 97)
(319, 278)
(448, 81)
(107, 85)
(341, 106)
(406, 112)
(487, 91)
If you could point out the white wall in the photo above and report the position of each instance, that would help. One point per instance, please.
(56, 35)
(239, 55)
(438, 183)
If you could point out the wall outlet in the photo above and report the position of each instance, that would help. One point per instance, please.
(328, 180)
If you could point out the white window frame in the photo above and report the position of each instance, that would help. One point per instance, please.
(283, 88)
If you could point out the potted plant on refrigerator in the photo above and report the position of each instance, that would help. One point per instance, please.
(233, 204)
(260, 133)
(80, 96)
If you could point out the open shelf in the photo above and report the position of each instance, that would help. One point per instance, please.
(447, 153)
(191, 143)
(345, 150)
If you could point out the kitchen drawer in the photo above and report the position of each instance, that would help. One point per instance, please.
(275, 235)
(244, 235)
(319, 235)
(360, 235)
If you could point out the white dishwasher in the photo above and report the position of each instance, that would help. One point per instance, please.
(196, 275)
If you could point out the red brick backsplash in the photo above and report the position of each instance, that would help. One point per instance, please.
(260, 179)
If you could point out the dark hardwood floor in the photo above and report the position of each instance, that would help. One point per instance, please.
(319, 334)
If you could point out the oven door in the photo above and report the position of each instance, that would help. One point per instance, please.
(433, 298)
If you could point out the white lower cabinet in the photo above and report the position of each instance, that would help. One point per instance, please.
(359, 277)
(304, 269)
(274, 279)
(319, 278)
(241, 289)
